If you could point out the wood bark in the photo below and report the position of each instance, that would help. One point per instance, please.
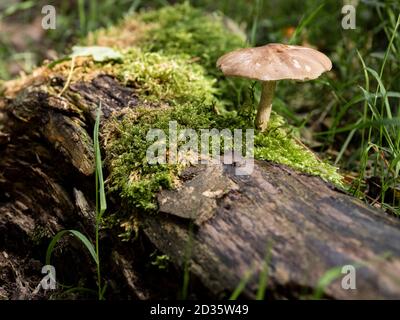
(221, 226)
(297, 225)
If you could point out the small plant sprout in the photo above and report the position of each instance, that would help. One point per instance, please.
(271, 63)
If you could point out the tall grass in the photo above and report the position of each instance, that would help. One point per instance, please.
(386, 144)
(374, 136)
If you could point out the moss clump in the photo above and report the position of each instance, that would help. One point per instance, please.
(184, 29)
(164, 73)
(279, 146)
(185, 94)
(179, 30)
(131, 175)
(138, 182)
(173, 79)
(123, 35)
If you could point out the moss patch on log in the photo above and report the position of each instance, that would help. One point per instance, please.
(173, 79)
(181, 30)
(176, 36)
(138, 182)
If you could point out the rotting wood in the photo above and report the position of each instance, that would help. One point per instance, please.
(46, 184)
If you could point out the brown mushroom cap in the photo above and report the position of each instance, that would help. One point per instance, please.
(275, 62)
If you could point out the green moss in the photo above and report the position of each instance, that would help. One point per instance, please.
(131, 175)
(182, 29)
(160, 261)
(175, 77)
(138, 182)
(185, 95)
(279, 146)
(191, 104)
(169, 78)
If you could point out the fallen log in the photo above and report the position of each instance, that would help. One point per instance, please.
(227, 231)
(298, 225)
(220, 225)
(46, 185)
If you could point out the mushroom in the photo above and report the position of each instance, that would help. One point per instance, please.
(271, 63)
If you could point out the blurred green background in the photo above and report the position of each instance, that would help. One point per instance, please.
(350, 117)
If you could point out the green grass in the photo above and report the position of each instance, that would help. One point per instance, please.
(383, 141)
(262, 279)
(373, 137)
(101, 206)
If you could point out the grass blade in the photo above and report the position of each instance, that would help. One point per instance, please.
(85, 241)
(327, 278)
(304, 22)
(262, 285)
(242, 284)
(99, 169)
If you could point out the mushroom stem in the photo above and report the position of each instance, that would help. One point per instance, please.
(265, 105)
